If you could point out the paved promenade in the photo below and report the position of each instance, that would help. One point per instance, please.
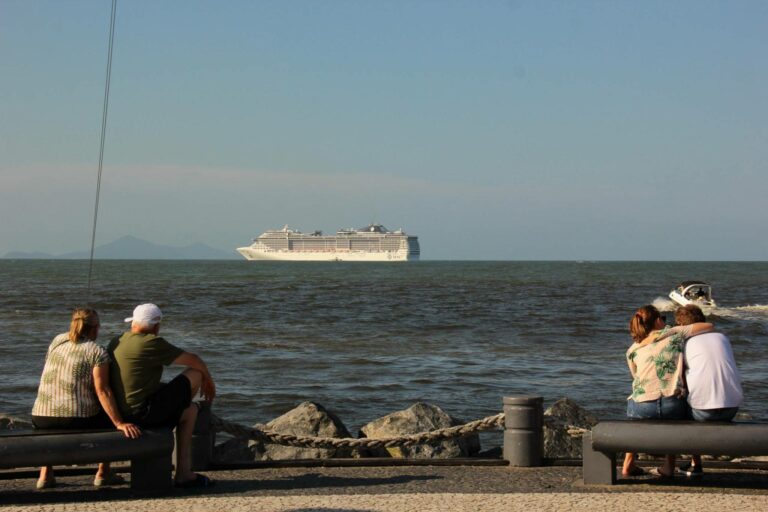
(410, 488)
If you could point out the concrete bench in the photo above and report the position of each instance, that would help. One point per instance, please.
(666, 437)
(150, 454)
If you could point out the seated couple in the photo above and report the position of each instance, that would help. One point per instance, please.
(682, 372)
(85, 386)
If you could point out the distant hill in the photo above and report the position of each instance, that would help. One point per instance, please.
(132, 248)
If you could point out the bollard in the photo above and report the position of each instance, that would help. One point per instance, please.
(523, 430)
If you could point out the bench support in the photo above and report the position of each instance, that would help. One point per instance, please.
(598, 468)
(152, 474)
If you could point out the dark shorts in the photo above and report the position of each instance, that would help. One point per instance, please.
(164, 408)
(100, 421)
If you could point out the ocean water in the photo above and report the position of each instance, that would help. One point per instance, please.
(368, 339)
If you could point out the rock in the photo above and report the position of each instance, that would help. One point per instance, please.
(307, 419)
(14, 423)
(558, 443)
(420, 417)
(233, 450)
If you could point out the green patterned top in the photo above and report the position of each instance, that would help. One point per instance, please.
(66, 387)
(656, 365)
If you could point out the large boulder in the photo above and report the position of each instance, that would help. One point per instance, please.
(561, 416)
(13, 423)
(307, 419)
(420, 417)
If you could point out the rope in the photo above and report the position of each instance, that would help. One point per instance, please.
(261, 433)
(101, 145)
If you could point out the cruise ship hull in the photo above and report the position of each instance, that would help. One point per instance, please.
(256, 255)
(372, 243)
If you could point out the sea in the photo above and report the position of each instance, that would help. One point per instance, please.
(368, 339)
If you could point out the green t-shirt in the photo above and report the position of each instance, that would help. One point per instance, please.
(136, 368)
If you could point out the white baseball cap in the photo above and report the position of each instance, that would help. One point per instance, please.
(146, 314)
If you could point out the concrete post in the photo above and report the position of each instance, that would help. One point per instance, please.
(523, 430)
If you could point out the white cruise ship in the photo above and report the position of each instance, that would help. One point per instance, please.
(371, 243)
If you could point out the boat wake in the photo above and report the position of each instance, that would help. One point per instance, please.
(755, 313)
(664, 304)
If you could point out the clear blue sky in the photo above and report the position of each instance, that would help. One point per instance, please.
(492, 130)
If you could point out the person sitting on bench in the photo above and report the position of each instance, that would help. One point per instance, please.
(711, 375)
(138, 357)
(656, 365)
(74, 391)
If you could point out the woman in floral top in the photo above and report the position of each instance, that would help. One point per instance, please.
(74, 390)
(655, 361)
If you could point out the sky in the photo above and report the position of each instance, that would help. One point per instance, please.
(493, 130)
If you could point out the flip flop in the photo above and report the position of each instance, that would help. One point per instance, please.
(199, 482)
(635, 471)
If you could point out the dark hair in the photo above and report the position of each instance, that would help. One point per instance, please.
(689, 314)
(643, 322)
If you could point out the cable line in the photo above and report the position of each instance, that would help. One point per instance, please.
(101, 146)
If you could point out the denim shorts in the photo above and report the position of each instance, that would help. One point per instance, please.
(725, 414)
(664, 408)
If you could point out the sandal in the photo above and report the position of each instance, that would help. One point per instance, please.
(199, 482)
(111, 479)
(635, 471)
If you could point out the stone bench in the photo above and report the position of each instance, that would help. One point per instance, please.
(608, 438)
(150, 454)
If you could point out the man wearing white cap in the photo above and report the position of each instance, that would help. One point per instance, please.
(138, 358)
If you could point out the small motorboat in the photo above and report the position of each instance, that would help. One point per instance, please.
(698, 293)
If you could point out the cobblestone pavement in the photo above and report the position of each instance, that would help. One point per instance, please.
(422, 488)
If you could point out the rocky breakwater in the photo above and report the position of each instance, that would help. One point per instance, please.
(313, 420)
(562, 421)
(420, 417)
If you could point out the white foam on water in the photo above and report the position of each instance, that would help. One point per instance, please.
(664, 304)
(756, 312)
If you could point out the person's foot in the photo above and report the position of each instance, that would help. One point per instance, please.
(198, 482)
(106, 480)
(692, 471)
(46, 483)
(633, 471)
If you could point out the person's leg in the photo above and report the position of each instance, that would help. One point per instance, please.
(629, 467)
(726, 414)
(195, 378)
(672, 408)
(637, 411)
(46, 478)
(172, 406)
(184, 432)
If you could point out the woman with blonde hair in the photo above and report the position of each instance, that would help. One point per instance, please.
(655, 361)
(74, 390)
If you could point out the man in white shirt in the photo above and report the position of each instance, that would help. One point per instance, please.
(711, 375)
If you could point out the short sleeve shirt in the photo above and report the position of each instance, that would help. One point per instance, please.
(656, 368)
(66, 386)
(136, 369)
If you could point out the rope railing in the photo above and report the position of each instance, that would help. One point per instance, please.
(261, 433)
